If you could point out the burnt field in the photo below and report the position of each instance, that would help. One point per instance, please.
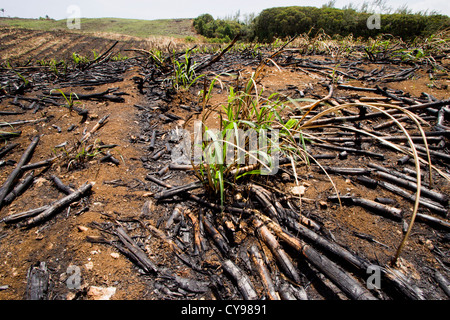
(94, 205)
(25, 45)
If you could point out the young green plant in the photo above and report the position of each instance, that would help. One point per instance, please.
(184, 75)
(70, 102)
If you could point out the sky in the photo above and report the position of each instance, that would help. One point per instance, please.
(168, 9)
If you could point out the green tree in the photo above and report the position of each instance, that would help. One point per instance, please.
(209, 27)
(282, 22)
(201, 21)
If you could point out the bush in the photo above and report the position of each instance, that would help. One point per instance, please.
(201, 21)
(189, 39)
(284, 22)
(212, 28)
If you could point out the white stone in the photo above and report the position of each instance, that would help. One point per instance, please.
(298, 190)
(101, 293)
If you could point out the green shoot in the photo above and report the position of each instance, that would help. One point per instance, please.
(184, 75)
(69, 100)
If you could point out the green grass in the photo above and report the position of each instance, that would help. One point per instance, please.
(178, 28)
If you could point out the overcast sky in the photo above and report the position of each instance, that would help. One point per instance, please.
(166, 9)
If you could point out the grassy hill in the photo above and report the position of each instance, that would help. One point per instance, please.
(178, 28)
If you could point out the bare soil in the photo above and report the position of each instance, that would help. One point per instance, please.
(17, 44)
(121, 191)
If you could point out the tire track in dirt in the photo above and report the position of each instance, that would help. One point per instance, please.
(16, 36)
(8, 36)
(23, 44)
(20, 45)
(65, 48)
(43, 44)
(59, 46)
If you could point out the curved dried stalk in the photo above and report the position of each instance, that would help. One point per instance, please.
(398, 148)
(418, 176)
(413, 117)
(376, 106)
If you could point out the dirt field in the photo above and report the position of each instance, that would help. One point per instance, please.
(18, 44)
(122, 196)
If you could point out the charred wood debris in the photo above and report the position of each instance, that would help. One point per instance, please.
(268, 244)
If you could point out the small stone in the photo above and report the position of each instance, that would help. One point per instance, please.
(238, 196)
(429, 244)
(298, 190)
(343, 155)
(83, 228)
(89, 265)
(40, 236)
(115, 255)
(100, 293)
(71, 296)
